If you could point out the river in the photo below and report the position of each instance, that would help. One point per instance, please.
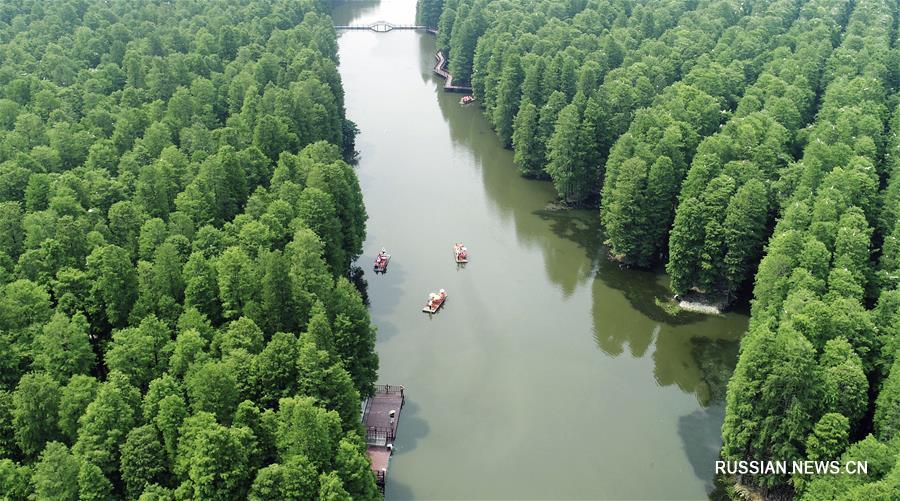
(550, 372)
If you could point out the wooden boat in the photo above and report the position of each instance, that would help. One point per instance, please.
(460, 253)
(467, 100)
(381, 261)
(435, 301)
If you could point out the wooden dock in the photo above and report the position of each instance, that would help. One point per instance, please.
(440, 67)
(381, 417)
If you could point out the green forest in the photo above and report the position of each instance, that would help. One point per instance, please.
(752, 149)
(178, 314)
(181, 316)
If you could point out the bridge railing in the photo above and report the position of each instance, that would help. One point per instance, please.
(380, 26)
(388, 389)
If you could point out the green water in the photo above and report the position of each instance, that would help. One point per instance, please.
(550, 372)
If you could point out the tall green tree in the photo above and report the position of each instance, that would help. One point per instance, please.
(508, 96)
(141, 353)
(764, 385)
(219, 462)
(63, 347)
(113, 290)
(104, 426)
(35, 412)
(529, 152)
(211, 387)
(74, 398)
(296, 479)
(143, 459)
(567, 162)
(887, 419)
(56, 474)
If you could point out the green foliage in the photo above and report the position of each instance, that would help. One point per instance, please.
(817, 277)
(240, 334)
(8, 446)
(296, 479)
(113, 284)
(887, 418)
(275, 370)
(63, 348)
(15, 480)
(143, 459)
(328, 382)
(353, 467)
(171, 415)
(35, 412)
(74, 398)
(829, 437)
(704, 171)
(567, 159)
(93, 484)
(776, 375)
(56, 473)
(141, 353)
(212, 388)
(354, 336)
(307, 430)
(219, 462)
(529, 153)
(105, 424)
(846, 386)
(428, 12)
(643, 175)
(880, 458)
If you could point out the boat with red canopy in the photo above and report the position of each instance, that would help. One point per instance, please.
(381, 261)
(435, 301)
(460, 253)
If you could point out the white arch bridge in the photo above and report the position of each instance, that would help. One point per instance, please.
(383, 27)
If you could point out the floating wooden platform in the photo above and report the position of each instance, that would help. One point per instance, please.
(381, 428)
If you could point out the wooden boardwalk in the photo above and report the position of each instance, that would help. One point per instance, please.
(440, 67)
(381, 417)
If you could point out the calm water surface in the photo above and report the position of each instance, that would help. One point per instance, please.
(550, 373)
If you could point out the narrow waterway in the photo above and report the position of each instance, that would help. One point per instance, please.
(550, 372)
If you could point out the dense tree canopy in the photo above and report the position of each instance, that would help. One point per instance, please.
(758, 47)
(818, 277)
(727, 140)
(177, 224)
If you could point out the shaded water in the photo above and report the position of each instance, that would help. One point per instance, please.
(550, 372)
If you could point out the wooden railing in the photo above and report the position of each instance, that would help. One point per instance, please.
(440, 67)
